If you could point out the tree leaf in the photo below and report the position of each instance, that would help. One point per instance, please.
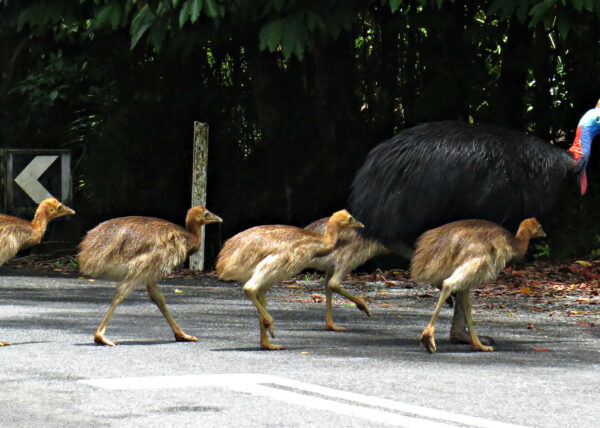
(395, 5)
(195, 10)
(270, 35)
(214, 9)
(140, 24)
(184, 13)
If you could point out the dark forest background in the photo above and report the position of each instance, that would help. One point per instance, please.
(295, 92)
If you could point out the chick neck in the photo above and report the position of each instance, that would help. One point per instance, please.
(330, 237)
(523, 237)
(40, 222)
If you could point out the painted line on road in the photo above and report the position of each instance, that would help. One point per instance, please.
(308, 395)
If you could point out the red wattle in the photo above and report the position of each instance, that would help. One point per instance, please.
(583, 182)
(576, 150)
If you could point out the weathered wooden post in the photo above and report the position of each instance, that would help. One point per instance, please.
(199, 183)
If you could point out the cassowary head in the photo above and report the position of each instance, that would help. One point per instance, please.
(587, 128)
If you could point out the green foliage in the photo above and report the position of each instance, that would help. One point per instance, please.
(295, 92)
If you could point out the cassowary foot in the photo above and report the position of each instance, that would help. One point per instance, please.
(361, 305)
(428, 340)
(332, 327)
(182, 337)
(5, 343)
(101, 340)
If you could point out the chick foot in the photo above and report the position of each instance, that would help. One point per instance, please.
(361, 305)
(5, 343)
(329, 325)
(463, 336)
(182, 337)
(101, 340)
(428, 340)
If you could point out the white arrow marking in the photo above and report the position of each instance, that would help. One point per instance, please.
(28, 178)
(374, 409)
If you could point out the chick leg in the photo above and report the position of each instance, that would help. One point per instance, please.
(256, 292)
(265, 343)
(159, 299)
(459, 332)
(122, 291)
(427, 337)
(476, 345)
(333, 284)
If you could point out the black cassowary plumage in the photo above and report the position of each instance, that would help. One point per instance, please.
(439, 172)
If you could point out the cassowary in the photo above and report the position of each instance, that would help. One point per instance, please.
(439, 172)
(460, 256)
(263, 256)
(351, 250)
(17, 234)
(139, 251)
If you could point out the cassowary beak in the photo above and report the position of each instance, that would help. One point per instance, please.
(582, 181)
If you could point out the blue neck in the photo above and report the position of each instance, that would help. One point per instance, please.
(587, 136)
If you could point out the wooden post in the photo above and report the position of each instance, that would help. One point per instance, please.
(200, 156)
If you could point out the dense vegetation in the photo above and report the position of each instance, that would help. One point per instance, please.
(295, 93)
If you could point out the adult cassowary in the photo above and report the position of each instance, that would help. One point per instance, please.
(439, 172)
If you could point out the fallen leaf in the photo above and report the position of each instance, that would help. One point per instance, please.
(540, 349)
(586, 324)
(294, 287)
(306, 353)
(317, 298)
(583, 263)
(530, 326)
(91, 280)
(178, 291)
(525, 290)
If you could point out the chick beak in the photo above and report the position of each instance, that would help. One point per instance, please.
(541, 233)
(67, 211)
(212, 218)
(356, 223)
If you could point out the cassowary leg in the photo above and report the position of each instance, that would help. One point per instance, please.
(265, 343)
(427, 337)
(257, 292)
(122, 291)
(159, 299)
(333, 284)
(476, 345)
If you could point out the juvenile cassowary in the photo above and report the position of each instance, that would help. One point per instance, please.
(262, 256)
(351, 250)
(139, 251)
(17, 234)
(460, 256)
(439, 172)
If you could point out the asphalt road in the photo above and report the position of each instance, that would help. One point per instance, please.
(375, 374)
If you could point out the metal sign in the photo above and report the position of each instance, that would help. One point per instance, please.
(34, 175)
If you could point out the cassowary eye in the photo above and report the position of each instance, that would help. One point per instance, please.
(597, 119)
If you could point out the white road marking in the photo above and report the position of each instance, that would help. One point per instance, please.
(309, 395)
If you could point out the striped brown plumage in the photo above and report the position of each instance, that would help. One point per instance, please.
(266, 255)
(460, 256)
(17, 234)
(139, 251)
(351, 250)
